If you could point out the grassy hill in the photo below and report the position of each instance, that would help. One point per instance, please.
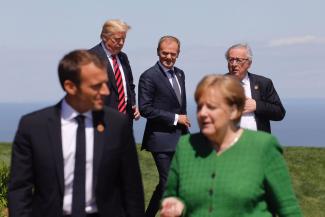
(306, 165)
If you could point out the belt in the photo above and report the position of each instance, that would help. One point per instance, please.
(87, 215)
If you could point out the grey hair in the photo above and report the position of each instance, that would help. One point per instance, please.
(241, 45)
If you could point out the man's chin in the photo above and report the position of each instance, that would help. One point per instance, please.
(98, 107)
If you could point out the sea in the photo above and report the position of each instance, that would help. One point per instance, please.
(303, 124)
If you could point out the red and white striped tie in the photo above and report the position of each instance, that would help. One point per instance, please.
(119, 84)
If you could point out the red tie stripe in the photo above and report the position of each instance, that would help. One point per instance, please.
(119, 84)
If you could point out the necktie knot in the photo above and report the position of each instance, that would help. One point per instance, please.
(80, 119)
(171, 72)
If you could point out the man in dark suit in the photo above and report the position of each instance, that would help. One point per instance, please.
(162, 100)
(122, 97)
(76, 158)
(262, 101)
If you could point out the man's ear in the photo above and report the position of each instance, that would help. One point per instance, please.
(70, 87)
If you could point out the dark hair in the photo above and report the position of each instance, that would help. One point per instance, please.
(70, 65)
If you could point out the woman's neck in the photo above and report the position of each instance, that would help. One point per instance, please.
(226, 139)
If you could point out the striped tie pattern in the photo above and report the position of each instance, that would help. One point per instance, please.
(119, 84)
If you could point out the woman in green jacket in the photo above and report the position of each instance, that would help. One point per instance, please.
(226, 171)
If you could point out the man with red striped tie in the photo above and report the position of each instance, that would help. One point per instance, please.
(122, 97)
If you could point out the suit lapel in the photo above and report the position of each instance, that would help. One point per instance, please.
(54, 132)
(99, 128)
(101, 52)
(254, 86)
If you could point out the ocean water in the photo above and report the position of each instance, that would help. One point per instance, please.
(303, 124)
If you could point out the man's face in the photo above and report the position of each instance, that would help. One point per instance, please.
(238, 62)
(115, 42)
(93, 88)
(168, 53)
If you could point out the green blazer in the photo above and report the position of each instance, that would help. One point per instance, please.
(248, 179)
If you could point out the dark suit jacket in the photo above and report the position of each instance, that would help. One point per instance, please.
(268, 103)
(112, 99)
(158, 103)
(36, 185)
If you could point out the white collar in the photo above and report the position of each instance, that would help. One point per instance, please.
(164, 68)
(68, 113)
(108, 53)
(245, 80)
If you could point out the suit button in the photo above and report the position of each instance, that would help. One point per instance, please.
(213, 175)
(211, 192)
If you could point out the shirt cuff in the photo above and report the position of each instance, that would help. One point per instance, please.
(176, 119)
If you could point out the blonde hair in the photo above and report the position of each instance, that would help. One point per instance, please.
(113, 26)
(228, 86)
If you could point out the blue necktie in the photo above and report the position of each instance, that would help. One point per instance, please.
(176, 87)
(79, 180)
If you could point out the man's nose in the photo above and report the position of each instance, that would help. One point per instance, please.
(104, 91)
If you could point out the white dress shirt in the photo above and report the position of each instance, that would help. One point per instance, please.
(69, 132)
(169, 76)
(109, 57)
(248, 120)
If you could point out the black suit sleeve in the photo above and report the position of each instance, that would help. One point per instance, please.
(147, 100)
(269, 106)
(132, 190)
(21, 174)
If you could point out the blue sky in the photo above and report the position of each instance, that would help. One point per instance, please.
(287, 38)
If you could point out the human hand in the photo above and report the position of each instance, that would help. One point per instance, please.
(171, 207)
(136, 113)
(183, 119)
(250, 106)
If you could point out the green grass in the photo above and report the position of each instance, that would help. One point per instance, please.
(307, 169)
(306, 166)
(149, 173)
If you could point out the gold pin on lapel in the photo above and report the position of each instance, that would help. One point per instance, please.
(100, 128)
(256, 87)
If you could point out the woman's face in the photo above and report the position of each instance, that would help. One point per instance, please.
(213, 114)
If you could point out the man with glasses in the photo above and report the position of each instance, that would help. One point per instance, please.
(122, 97)
(162, 100)
(262, 101)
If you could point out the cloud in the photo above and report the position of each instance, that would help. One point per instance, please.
(297, 40)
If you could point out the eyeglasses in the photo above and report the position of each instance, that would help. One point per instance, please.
(237, 60)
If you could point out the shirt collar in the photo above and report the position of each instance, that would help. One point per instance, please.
(164, 68)
(245, 79)
(68, 113)
(108, 54)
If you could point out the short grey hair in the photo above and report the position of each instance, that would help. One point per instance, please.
(241, 45)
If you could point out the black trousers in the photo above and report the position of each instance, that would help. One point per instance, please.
(88, 215)
(162, 160)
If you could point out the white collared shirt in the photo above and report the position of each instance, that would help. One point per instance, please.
(169, 76)
(248, 120)
(69, 133)
(109, 57)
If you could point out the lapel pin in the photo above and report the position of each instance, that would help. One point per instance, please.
(100, 128)
(256, 87)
